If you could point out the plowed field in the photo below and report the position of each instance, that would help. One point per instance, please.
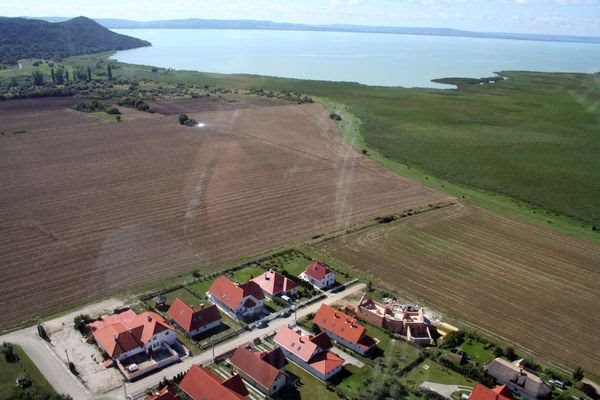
(524, 284)
(89, 207)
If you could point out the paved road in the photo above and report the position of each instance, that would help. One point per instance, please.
(139, 387)
(63, 381)
(54, 370)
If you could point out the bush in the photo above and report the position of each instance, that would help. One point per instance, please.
(9, 353)
(80, 323)
(453, 339)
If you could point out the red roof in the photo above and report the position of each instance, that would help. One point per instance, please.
(201, 384)
(257, 366)
(274, 283)
(231, 294)
(317, 270)
(310, 349)
(504, 391)
(121, 337)
(190, 319)
(481, 392)
(125, 318)
(303, 346)
(165, 393)
(326, 362)
(331, 320)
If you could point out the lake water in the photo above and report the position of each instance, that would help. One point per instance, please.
(369, 58)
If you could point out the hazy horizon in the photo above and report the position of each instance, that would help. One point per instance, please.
(554, 17)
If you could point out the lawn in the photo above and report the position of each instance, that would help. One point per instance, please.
(307, 386)
(477, 351)
(394, 350)
(293, 261)
(9, 372)
(185, 296)
(201, 287)
(352, 379)
(245, 274)
(433, 372)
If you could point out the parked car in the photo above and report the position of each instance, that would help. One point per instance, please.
(557, 383)
(286, 314)
(261, 324)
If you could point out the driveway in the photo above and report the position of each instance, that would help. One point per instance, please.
(444, 390)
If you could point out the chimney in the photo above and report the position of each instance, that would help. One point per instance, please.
(192, 307)
(149, 318)
(335, 315)
(115, 337)
(300, 339)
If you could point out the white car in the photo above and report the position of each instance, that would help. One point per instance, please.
(132, 368)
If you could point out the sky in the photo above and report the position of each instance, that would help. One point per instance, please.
(567, 17)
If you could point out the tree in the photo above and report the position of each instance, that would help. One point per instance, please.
(52, 75)
(59, 76)
(109, 72)
(89, 74)
(9, 353)
(509, 353)
(578, 374)
(453, 339)
(38, 78)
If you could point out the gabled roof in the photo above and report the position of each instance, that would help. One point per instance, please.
(303, 346)
(165, 393)
(317, 270)
(121, 337)
(190, 319)
(334, 321)
(257, 366)
(231, 294)
(275, 357)
(481, 392)
(201, 384)
(274, 283)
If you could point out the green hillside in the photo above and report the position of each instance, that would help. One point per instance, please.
(24, 38)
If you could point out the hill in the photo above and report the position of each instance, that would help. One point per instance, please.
(24, 38)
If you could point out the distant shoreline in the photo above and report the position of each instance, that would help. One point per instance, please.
(211, 24)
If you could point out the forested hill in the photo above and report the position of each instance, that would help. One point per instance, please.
(25, 38)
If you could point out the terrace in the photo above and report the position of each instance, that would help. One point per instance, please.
(142, 363)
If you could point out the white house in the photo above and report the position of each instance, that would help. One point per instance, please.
(319, 275)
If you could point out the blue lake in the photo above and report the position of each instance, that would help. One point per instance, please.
(369, 58)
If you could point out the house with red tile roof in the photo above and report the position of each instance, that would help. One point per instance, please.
(266, 370)
(122, 338)
(319, 275)
(237, 300)
(481, 392)
(165, 393)
(344, 329)
(309, 352)
(273, 283)
(405, 319)
(191, 321)
(201, 384)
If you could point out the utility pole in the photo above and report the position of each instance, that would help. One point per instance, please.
(212, 342)
(67, 354)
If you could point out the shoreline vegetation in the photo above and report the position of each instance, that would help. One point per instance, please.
(524, 121)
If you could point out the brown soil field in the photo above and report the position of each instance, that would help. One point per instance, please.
(189, 105)
(523, 284)
(92, 207)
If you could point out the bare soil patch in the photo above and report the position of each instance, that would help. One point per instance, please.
(190, 105)
(523, 284)
(87, 210)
